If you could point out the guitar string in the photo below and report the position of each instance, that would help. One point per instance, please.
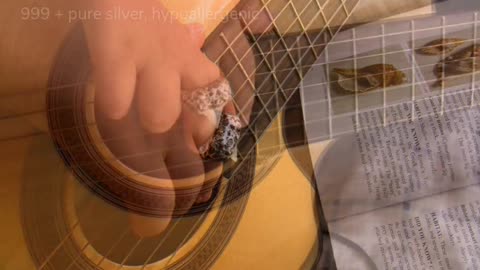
(248, 24)
(119, 159)
(443, 27)
(384, 76)
(474, 37)
(287, 75)
(48, 257)
(300, 60)
(287, 106)
(377, 74)
(306, 47)
(264, 8)
(58, 130)
(274, 26)
(443, 69)
(313, 122)
(281, 39)
(273, 21)
(475, 28)
(235, 39)
(117, 242)
(290, 72)
(185, 237)
(321, 34)
(252, 85)
(60, 87)
(130, 253)
(167, 263)
(403, 120)
(322, 138)
(87, 244)
(40, 111)
(306, 104)
(40, 91)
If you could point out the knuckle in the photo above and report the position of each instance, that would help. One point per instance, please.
(159, 122)
(111, 110)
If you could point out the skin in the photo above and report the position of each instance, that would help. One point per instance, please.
(140, 68)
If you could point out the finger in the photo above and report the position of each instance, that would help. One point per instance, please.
(134, 152)
(158, 98)
(200, 126)
(145, 226)
(213, 174)
(240, 68)
(186, 169)
(242, 81)
(199, 72)
(238, 64)
(197, 33)
(115, 86)
(125, 139)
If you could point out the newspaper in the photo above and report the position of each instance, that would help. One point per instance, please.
(400, 184)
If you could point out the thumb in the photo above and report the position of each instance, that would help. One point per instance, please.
(197, 33)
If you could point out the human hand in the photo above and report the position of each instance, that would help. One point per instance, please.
(140, 69)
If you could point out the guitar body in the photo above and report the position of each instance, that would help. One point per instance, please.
(54, 221)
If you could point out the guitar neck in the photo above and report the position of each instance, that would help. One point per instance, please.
(283, 56)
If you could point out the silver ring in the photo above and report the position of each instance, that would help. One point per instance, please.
(212, 97)
(223, 145)
(211, 101)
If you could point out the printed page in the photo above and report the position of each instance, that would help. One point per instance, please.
(440, 232)
(424, 151)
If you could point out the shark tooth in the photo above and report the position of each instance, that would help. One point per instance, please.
(369, 78)
(440, 46)
(464, 61)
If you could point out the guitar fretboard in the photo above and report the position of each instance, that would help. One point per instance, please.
(283, 56)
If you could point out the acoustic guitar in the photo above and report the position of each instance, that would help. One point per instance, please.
(75, 196)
